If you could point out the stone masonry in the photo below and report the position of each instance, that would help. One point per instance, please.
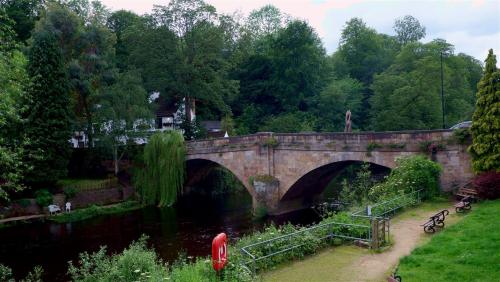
(304, 163)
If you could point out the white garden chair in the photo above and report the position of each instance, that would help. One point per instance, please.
(53, 209)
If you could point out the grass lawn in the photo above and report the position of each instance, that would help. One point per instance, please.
(351, 263)
(466, 251)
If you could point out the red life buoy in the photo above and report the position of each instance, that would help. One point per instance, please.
(219, 251)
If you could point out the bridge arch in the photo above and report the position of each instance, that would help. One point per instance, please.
(199, 168)
(317, 179)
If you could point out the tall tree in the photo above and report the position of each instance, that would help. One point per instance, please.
(362, 53)
(201, 69)
(408, 29)
(124, 115)
(485, 148)
(408, 94)
(119, 22)
(48, 115)
(13, 79)
(24, 13)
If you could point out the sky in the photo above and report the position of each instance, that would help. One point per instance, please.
(472, 26)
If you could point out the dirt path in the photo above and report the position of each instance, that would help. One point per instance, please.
(26, 217)
(349, 263)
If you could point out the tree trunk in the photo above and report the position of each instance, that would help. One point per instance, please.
(115, 157)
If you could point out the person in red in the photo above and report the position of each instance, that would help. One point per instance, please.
(219, 252)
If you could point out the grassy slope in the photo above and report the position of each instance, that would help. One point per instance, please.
(467, 251)
(339, 263)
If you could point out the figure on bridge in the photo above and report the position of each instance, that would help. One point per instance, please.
(348, 121)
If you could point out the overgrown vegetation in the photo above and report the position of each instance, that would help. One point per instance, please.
(162, 176)
(410, 174)
(93, 211)
(43, 198)
(35, 275)
(465, 251)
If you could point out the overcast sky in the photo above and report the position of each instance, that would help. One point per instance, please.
(472, 26)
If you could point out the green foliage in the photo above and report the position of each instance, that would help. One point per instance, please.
(24, 202)
(70, 192)
(124, 114)
(43, 197)
(33, 276)
(136, 263)
(407, 94)
(462, 252)
(271, 142)
(462, 136)
(335, 99)
(93, 211)
(408, 29)
(289, 122)
(373, 146)
(410, 174)
(485, 148)
(48, 124)
(162, 177)
(13, 78)
(356, 192)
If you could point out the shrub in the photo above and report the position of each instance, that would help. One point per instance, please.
(33, 276)
(411, 174)
(462, 136)
(70, 192)
(488, 185)
(24, 202)
(43, 197)
(136, 263)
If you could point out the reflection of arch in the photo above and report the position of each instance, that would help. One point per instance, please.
(198, 169)
(315, 181)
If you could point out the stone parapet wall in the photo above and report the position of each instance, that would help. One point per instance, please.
(290, 156)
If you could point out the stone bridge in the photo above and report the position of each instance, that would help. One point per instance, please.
(287, 171)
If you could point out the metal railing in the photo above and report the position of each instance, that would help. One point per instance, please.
(328, 233)
(387, 206)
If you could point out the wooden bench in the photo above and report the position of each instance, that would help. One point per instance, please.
(435, 220)
(464, 204)
(467, 193)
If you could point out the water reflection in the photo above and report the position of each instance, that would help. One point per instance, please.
(189, 226)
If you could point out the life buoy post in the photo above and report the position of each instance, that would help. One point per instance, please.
(219, 252)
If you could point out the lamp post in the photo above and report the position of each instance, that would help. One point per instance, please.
(442, 88)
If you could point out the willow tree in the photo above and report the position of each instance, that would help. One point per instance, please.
(163, 174)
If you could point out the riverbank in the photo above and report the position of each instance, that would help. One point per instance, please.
(350, 263)
(93, 211)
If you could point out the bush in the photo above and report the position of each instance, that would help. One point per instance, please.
(33, 276)
(136, 263)
(488, 185)
(411, 174)
(24, 202)
(43, 197)
(70, 192)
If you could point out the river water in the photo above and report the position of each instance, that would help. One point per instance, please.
(187, 227)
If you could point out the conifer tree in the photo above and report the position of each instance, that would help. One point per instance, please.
(48, 124)
(485, 148)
